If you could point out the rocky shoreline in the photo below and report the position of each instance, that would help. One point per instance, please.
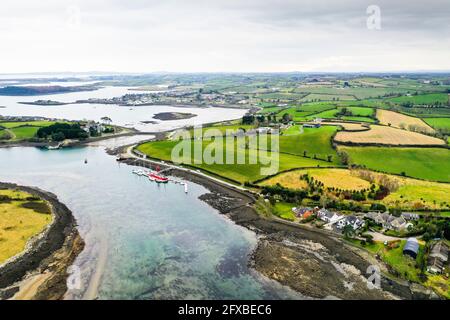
(314, 262)
(49, 254)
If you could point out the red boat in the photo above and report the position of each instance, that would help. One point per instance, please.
(157, 178)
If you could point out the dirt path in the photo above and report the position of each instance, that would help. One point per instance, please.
(29, 288)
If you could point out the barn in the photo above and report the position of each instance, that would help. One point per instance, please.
(411, 247)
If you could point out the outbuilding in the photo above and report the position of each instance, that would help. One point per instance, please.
(411, 247)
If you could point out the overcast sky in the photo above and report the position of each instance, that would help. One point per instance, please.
(222, 35)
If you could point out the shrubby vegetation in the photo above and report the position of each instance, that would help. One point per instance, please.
(61, 131)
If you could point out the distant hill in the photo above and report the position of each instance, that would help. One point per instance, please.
(42, 90)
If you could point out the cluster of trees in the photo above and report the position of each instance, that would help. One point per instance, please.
(61, 131)
(288, 195)
(260, 118)
(344, 112)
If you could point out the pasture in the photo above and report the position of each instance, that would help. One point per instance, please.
(423, 163)
(439, 123)
(239, 172)
(423, 99)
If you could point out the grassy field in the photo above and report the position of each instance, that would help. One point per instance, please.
(357, 92)
(419, 194)
(358, 114)
(315, 141)
(16, 124)
(23, 130)
(359, 119)
(284, 211)
(404, 265)
(240, 173)
(18, 224)
(423, 163)
(299, 113)
(439, 123)
(337, 178)
(326, 97)
(293, 130)
(423, 99)
(389, 136)
(361, 111)
(410, 194)
(402, 121)
(22, 133)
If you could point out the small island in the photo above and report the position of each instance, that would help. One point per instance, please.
(165, 116)
(45, 103)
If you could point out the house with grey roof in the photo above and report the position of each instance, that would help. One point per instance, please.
(388, 221)
(353, 221)
(328, 216)
(438, 257)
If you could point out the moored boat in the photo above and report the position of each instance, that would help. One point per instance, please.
(157, 178)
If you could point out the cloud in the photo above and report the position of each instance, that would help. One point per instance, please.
(222, 35)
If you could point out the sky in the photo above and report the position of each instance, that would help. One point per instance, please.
(143, 36)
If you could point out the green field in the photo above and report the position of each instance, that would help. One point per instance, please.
(423, 99)
(361, 114)
(293, 130)
(22, 133)
(237, 172)
(326, 97)
(16, 124)
(423, 163)
(313, 141)
(361, 111)
(328, 114)
(22, 130)
(438, 123)
(284, 211)
(270, 110)
(300, 113)
(357, 92)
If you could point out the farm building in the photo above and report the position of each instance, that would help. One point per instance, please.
(410, 216)
(411, 248)
(311, 125)
(438, 257)
(303, 213)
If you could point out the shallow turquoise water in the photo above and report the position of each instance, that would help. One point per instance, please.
(143, 241)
